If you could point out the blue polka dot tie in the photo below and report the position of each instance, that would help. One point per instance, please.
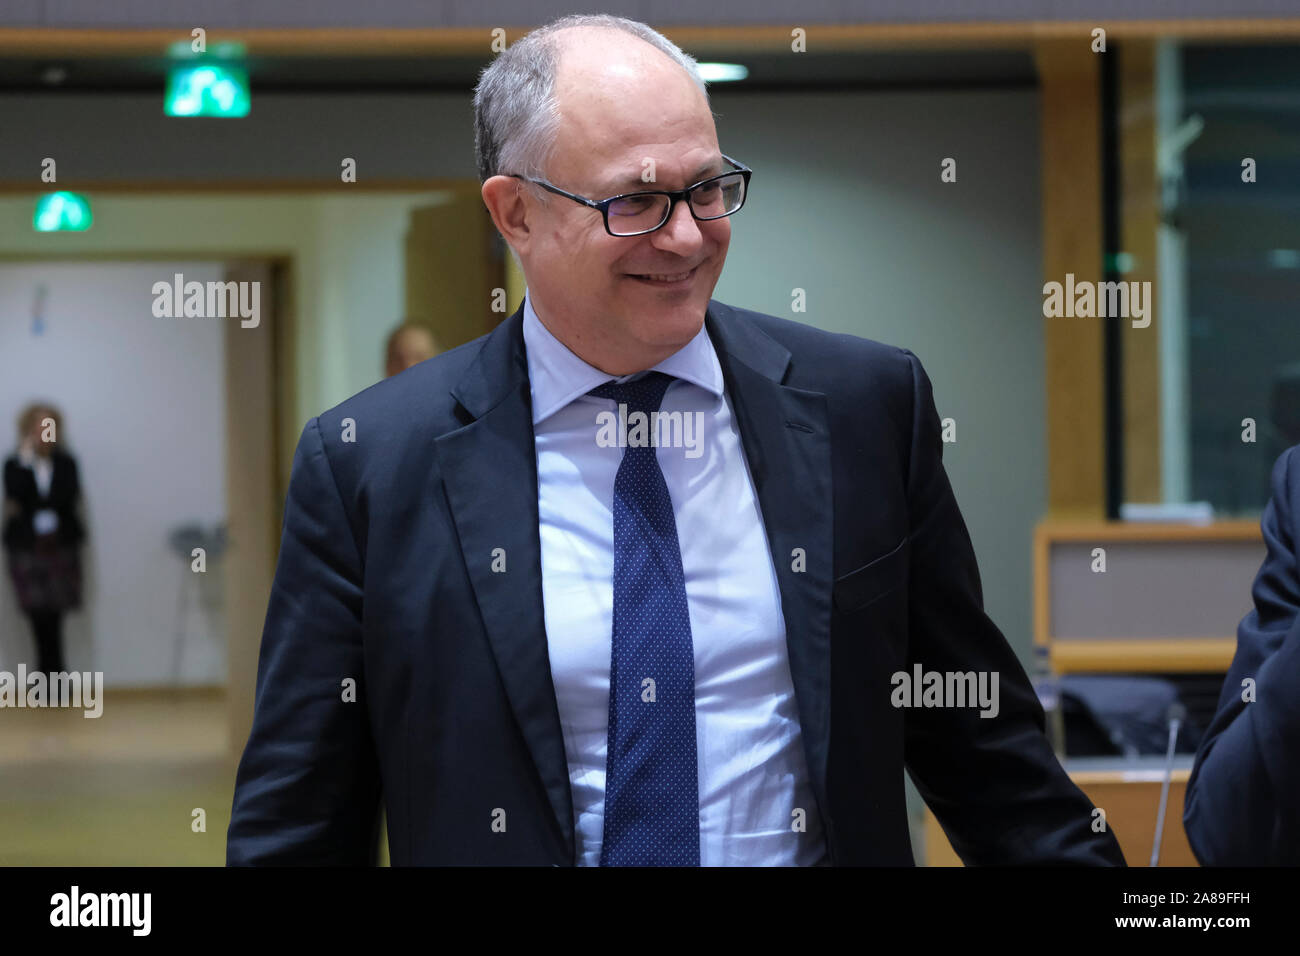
(652, 803)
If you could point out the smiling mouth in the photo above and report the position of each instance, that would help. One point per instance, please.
(665, 278)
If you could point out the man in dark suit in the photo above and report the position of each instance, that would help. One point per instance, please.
(1243, 797)
(547, 639)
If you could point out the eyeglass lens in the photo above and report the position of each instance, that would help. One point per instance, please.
(646, 211)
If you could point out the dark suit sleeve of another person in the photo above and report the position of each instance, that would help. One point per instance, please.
(307, 791)
(1243, 797)
(993, 783)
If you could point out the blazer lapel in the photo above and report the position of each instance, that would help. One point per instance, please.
(786, 437)
(489, 469)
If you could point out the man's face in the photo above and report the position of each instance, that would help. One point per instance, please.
(625, 112)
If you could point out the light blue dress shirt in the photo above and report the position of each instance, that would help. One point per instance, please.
(752, 773)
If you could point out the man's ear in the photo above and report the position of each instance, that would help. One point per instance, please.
(509, 209)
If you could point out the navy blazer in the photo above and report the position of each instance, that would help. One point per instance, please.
(1243, 797)
(385, 578)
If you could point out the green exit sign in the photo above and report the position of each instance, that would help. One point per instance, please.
(207, 89)
(62, 212)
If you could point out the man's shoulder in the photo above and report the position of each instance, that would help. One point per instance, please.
(1286, 469)
(1285, 492)
(419, 401)
(820, 352)
(420, 398)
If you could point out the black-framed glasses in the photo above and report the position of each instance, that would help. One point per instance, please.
(635, 214)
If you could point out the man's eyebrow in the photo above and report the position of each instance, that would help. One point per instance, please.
(633, 182)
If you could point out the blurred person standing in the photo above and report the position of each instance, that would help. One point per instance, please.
(408, 344)
(43, 530)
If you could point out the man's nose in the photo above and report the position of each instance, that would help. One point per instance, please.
(681, 231)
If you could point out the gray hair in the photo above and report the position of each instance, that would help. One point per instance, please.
(516, 116)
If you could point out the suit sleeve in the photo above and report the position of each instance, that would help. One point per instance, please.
(994, 783)
(307, 790)
(1243, 797)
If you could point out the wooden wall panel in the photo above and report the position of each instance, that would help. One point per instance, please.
(1140, 215)
(1070, 96)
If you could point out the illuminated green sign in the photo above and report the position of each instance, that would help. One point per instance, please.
(62, 212)
(207, 89)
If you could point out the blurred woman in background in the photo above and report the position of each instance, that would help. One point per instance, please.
(43, 530)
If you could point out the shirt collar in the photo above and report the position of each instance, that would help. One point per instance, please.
(557, 377)
(28, 457)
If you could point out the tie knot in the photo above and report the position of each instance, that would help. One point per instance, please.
(643, 394)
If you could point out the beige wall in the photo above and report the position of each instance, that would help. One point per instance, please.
(347, 276)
